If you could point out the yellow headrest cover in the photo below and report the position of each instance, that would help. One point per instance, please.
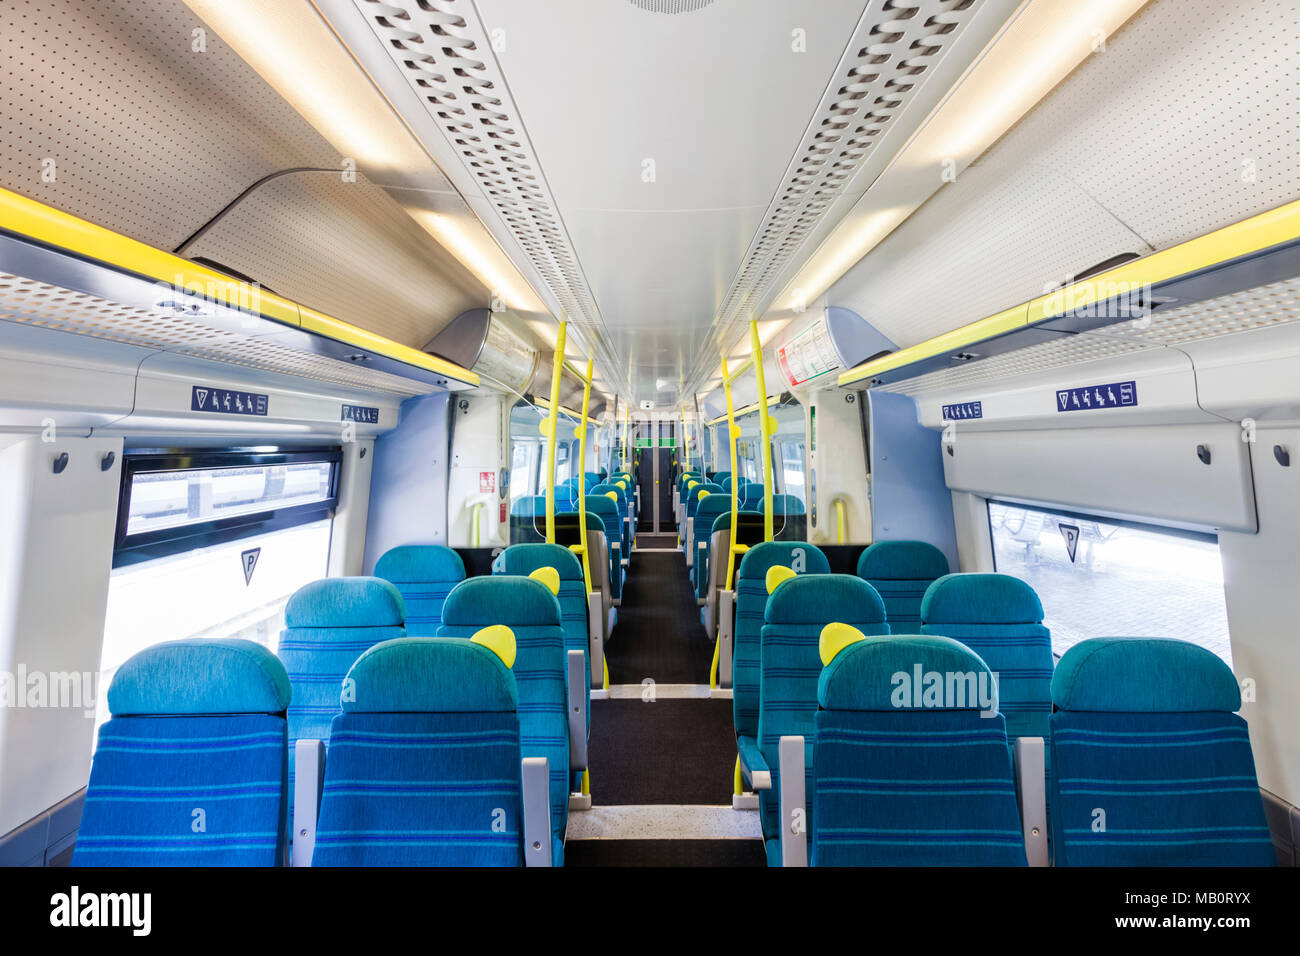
(612, 496)
(498, 639)
(548, 576)
(835, 637)
(692, 484)
(704, 494)
(777, 574)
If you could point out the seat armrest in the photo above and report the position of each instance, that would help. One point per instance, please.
(689, 542)
(726, 635)
(794, 814)
(309, 772)
(578, 690)
(1031, 786)
(597, 622)
(535, 784)
(755, 768)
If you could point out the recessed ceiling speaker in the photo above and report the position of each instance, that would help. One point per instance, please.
(671, 6)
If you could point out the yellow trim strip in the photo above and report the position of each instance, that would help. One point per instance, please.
(1231, 242)
(59, 229)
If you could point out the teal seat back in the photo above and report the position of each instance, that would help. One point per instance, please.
(707, 510)
(999, 617)
(532, 612)
(790, 664)
(400, 788)
(902, 571)
(425, 575)
(909, 778)
(751, 604)
(194, 722)
(1145, 731)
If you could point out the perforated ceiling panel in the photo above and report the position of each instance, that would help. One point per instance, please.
(147, 135)
(1242, 312)
(27, 302)
(896, 43)
(135, 115)
(368, 262)
(1183, 124)
(446, 56)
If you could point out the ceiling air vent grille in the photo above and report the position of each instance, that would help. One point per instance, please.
(445, 53)
(895, 45)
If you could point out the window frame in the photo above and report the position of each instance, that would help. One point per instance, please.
(144, 546)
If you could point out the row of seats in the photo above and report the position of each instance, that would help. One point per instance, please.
(788, 606)
(329, 679)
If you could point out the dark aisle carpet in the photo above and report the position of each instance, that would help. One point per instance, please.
(670, 751)
(664, 853)
(659, 634)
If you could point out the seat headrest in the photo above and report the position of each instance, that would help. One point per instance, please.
(601, 504)
(429, 675)
(501, 599)
(800, 556)
(715, 503)
(822, 598)
(787, 505)
(526, 558)
(907, 671)
(414, 563)
(980, 599)
(346, 602)
(1143, 675)
(200, 676)
(902, 561)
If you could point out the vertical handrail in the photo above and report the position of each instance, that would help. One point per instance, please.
(841, 521)
(552, 423)
(475, 512)
(735, 507)
(765, 429)
(582, 476)
(627, 420)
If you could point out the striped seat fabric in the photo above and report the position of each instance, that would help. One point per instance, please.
(607, 511)
(524, 559)
(902, 571)
(903, 779)
(425, 575)
(532, 612)
(424, 772)
(1000, 618)
(329, 624)
(707, 510)
(751, 604)
(790, 666)
(1151, 764)
(192, 768)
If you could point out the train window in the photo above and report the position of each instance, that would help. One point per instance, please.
(790, 470)
(1099, 578)
(232, 589)
(562, 461)
(523, 462)
(173, 502)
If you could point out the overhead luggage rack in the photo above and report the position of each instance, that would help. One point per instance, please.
(64, 273)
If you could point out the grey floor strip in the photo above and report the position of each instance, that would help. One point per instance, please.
(662, 822)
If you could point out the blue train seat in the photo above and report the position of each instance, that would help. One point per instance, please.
(901, 571)
(425, 575)
(1146, 732)
(193, 723)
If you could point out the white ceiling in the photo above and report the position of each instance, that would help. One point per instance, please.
(716, 98)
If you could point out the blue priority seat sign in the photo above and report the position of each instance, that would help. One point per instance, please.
(227, 401)
(1092, 397)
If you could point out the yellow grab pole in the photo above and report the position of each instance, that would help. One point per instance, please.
(552, 426)
(582, 477)
(627, 417)
(765, 428)
(735, 507)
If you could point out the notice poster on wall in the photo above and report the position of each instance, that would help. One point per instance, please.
(808, 355)
(487, 481)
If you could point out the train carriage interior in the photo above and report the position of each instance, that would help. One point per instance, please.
(650, 433)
